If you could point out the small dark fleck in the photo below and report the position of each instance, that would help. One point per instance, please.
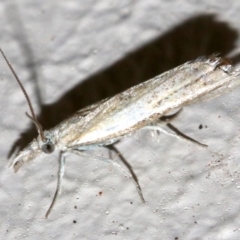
(100, 193)
(74, 221)
(176, 238)
(75, 207)
(200, 126)
(131, 202)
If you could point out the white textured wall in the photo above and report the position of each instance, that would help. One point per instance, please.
(73, 53)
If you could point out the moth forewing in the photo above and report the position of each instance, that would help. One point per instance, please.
(147, 102)
(105, 122)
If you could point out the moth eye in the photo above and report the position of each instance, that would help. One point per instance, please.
(48, 147)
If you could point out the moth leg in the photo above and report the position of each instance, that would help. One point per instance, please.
(186, 137)
(129, 175)
(59, 182)
(179, 135)
(112, 148)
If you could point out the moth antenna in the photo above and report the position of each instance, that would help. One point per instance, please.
(33, 118)
(38, 126)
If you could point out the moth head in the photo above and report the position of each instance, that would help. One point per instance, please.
(43, 144)
(45, 139)
(34, 149)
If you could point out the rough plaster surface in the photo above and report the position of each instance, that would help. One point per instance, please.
(72, 53)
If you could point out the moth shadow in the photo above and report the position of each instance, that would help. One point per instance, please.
(198, 36)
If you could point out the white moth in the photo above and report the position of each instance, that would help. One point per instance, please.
(141, 106)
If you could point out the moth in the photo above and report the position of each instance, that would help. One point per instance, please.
(105, 122)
